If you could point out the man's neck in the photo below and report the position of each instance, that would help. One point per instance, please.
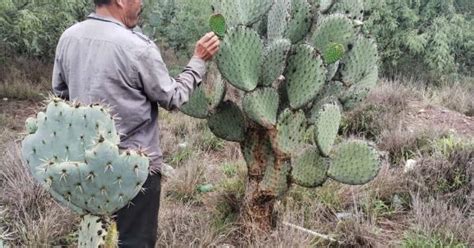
(106, 12)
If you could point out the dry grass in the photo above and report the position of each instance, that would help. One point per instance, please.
(436, 218)
(32, 216)
(456, 96)
(25, 79)
(384, 213)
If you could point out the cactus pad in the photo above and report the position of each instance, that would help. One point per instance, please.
(217, 24)
(275, 179)
(92, 231)
(274, 61)
(309, 168)
(332, 70)
(353, 9)
(336, 29)
(360, 64)
(305, 76)
(277, 20)
(31, 125)
(242, 12)
(300, 20)
(261, 106)
(354, 162)
(334, 53)
(291, 130)
(327, 126)
(74, 154)
(240, 58)
(228, 122)
(207, 96)
(325, 5)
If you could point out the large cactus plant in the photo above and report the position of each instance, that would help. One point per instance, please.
(72, 150)
(295, 65)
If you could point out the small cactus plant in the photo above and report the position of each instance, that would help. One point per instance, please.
(73, 152)
(296, 65)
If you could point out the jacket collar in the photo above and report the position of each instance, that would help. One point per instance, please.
(95, 16)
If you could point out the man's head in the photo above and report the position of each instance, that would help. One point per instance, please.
(126, 11)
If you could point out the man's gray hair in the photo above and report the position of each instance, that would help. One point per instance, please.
(102, 2)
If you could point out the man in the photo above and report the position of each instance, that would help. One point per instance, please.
(103, 60)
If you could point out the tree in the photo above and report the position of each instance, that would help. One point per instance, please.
(428, 37)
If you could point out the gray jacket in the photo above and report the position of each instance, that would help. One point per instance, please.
(100, 60)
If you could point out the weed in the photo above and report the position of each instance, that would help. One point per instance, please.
(180, 156)
(229, 169)
(207, 141)
(418, 240)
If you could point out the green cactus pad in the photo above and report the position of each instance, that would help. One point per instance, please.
(358, 92)
(197, 104)
(354, 162)
(334, 53)
(274, 61)
(360, 64)
(332, 70)
(309, 168)
(300, 20)
(360, 71)
(353, 9)
(217, 24)
(73, 142)
(242, 12)
(277, 20)
(228, 122)
(207, 96)
(327, 126)
(291, 129)
(92, 231)
(240, 58)
(334, 29)
(31, 125)
(275, 180)
(261, 106)
(329, 94)
(310, 135)
(305, 76)
(325, 5)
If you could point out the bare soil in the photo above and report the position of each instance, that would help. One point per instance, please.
(421, 115)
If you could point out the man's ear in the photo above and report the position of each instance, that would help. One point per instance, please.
(120, 3)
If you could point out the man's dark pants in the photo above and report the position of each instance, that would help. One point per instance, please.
(137, 224)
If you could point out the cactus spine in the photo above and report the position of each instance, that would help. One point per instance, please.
(297, 64)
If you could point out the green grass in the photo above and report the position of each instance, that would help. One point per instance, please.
(419, 240)
(181, 156)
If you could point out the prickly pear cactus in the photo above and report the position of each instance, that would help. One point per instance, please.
(298, 64)
(72, 150)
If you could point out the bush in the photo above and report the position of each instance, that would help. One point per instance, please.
(178, 23)
(430, 38)
(32, 28)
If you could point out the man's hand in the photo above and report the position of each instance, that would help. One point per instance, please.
(207, 46)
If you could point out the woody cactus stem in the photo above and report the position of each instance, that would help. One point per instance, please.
(295, 78)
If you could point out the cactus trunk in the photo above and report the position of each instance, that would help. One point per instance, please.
(257, 209)
(267, 181)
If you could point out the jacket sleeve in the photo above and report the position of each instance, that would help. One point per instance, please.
(60, 87)
(154, 79)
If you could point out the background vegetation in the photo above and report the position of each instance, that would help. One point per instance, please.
(421, 114)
